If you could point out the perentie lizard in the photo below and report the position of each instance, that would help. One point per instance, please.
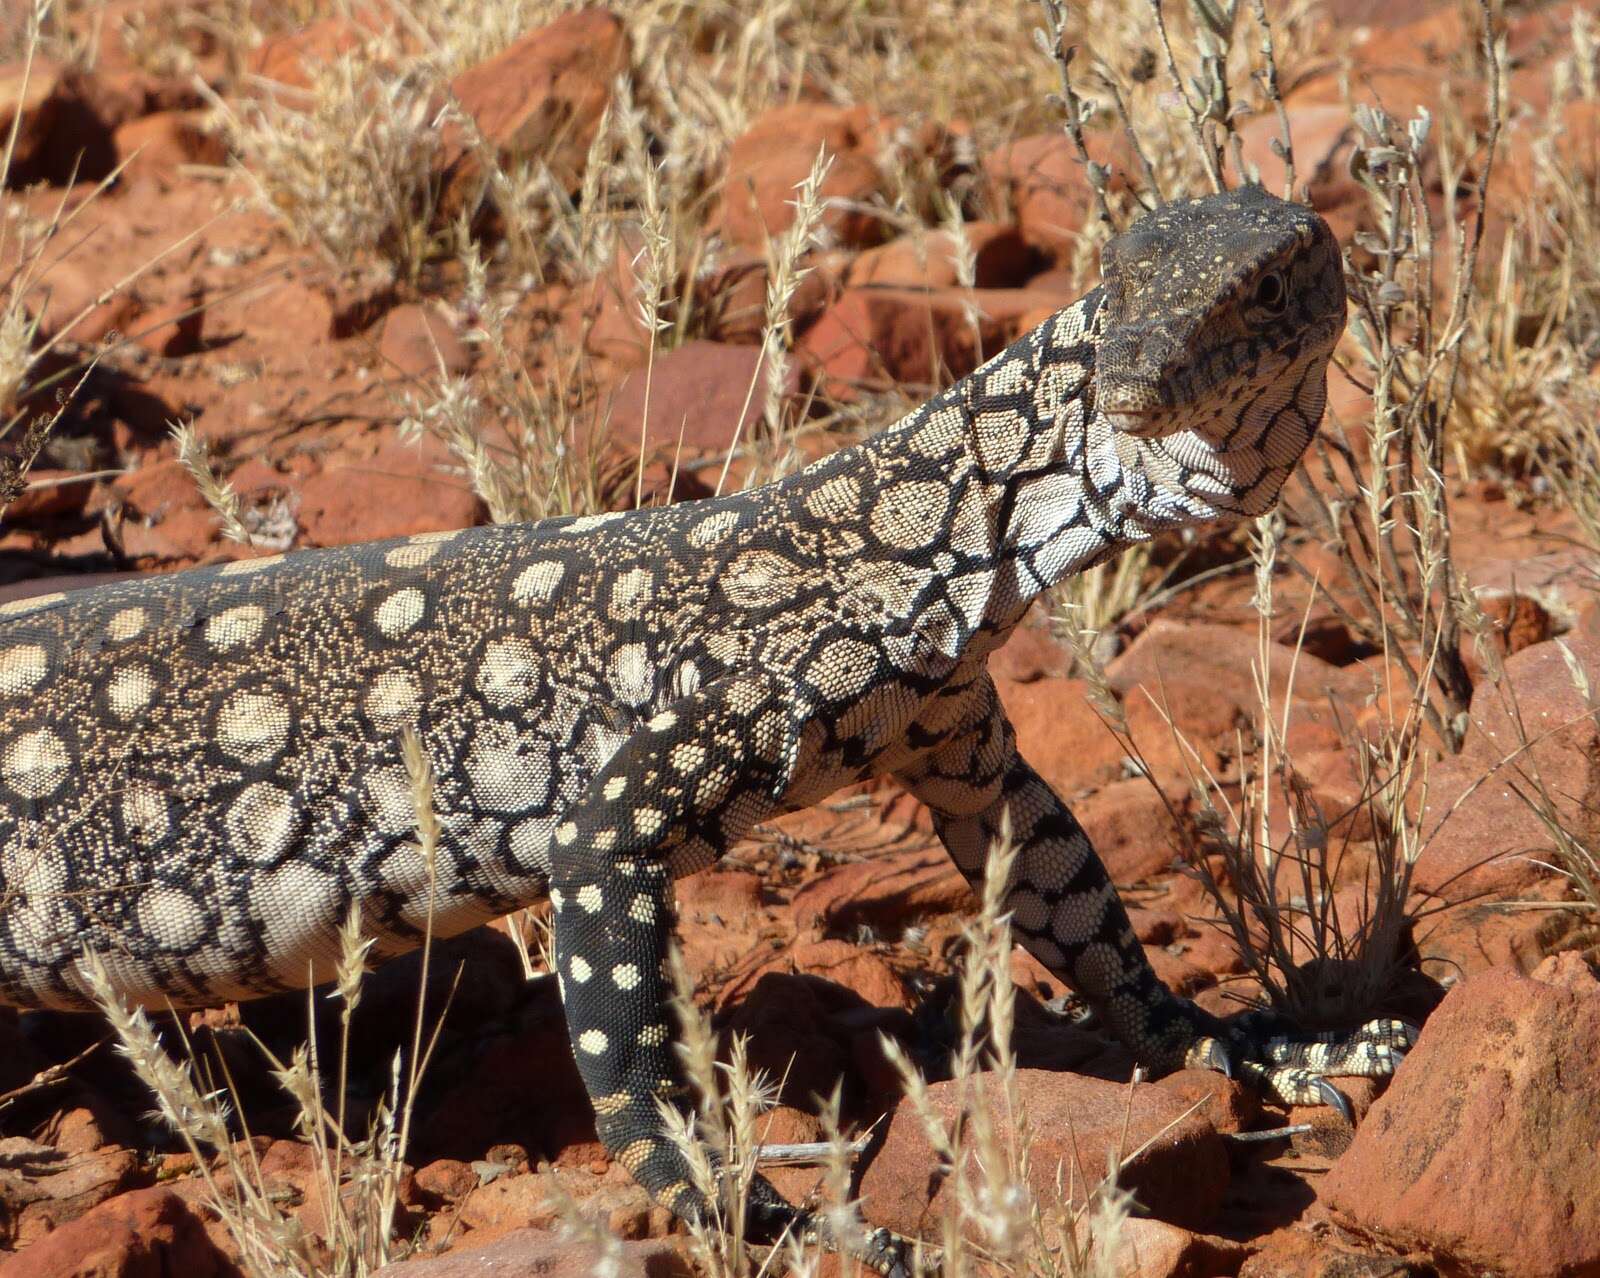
(201, 773)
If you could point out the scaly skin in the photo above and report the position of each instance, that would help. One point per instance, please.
(200, 774)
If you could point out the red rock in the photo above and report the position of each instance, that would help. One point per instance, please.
(1324, 137)
(1302, 1251)
(1229, 1105)
(1030, 654)
(75, 304)
(292, 58)
(698, 389)
(612, 326)
(1559, 581)
(733, 894)
(507, 1202)
(874, 337)
(1042, 182)
(1324, 636)
(155, 145)
(418, 342)
(50, 494)
(1488, 837)
(1177, 972)
(1132, 828)
(153, 492)
(30, 92)
(883, 892)
(181, 539)
(396, 493)
(148, 1233)
(1477, 934)
(42, 1188)
(855, 969)
(784, 1125)
(1145, 1248)
(1000, 259)
(542, 96)
(731, 300)
(1060, 734)
(539, 1251)
(1572, 150)
(1154, 926)
(1200, 674)
(1180, 1176)
(447, 1178)
(88, 1127)
(1482, 1152)
(813, 1015)
(1571, 970)
(173, 328)
(1519, 621)
(775, 154)
(77, 124)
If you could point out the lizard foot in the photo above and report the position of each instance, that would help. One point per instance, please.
(1293, 1068)
(771, 1217)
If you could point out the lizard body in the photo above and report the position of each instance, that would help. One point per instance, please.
(201, 773)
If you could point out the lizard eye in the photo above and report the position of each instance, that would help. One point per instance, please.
(1270, 294)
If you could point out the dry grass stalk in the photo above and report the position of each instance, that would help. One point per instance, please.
(1276, 897)
(998, 1220)
(719, 1138)
(1570, 854)
(271, 1245)
(1395, 539)
(29, 248)
(195, 458)
(774, 454)
(526, 437)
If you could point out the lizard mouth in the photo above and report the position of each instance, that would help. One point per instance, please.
(1142, 423)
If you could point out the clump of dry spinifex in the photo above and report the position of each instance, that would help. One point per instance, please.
(359, 1180)
(533, 440)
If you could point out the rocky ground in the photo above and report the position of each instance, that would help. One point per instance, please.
(842, 924)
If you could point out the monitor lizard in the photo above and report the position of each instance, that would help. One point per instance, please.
(201, 773)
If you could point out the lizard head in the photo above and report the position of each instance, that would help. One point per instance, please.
(1200, 294)
(1217, 314)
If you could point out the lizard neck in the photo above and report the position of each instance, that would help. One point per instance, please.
(1003, 484)
(1011, 481)
(1058, 483)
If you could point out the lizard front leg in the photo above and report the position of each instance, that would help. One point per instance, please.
(682, 788)
(1066, 912)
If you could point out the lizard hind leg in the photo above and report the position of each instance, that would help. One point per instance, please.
(1066, 911)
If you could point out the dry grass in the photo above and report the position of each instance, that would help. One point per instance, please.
(348, 164)
(1386, 515)
(1278, 895)
(999, 1223)
(38, 377)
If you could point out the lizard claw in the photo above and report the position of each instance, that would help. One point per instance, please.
(1333, 1097)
